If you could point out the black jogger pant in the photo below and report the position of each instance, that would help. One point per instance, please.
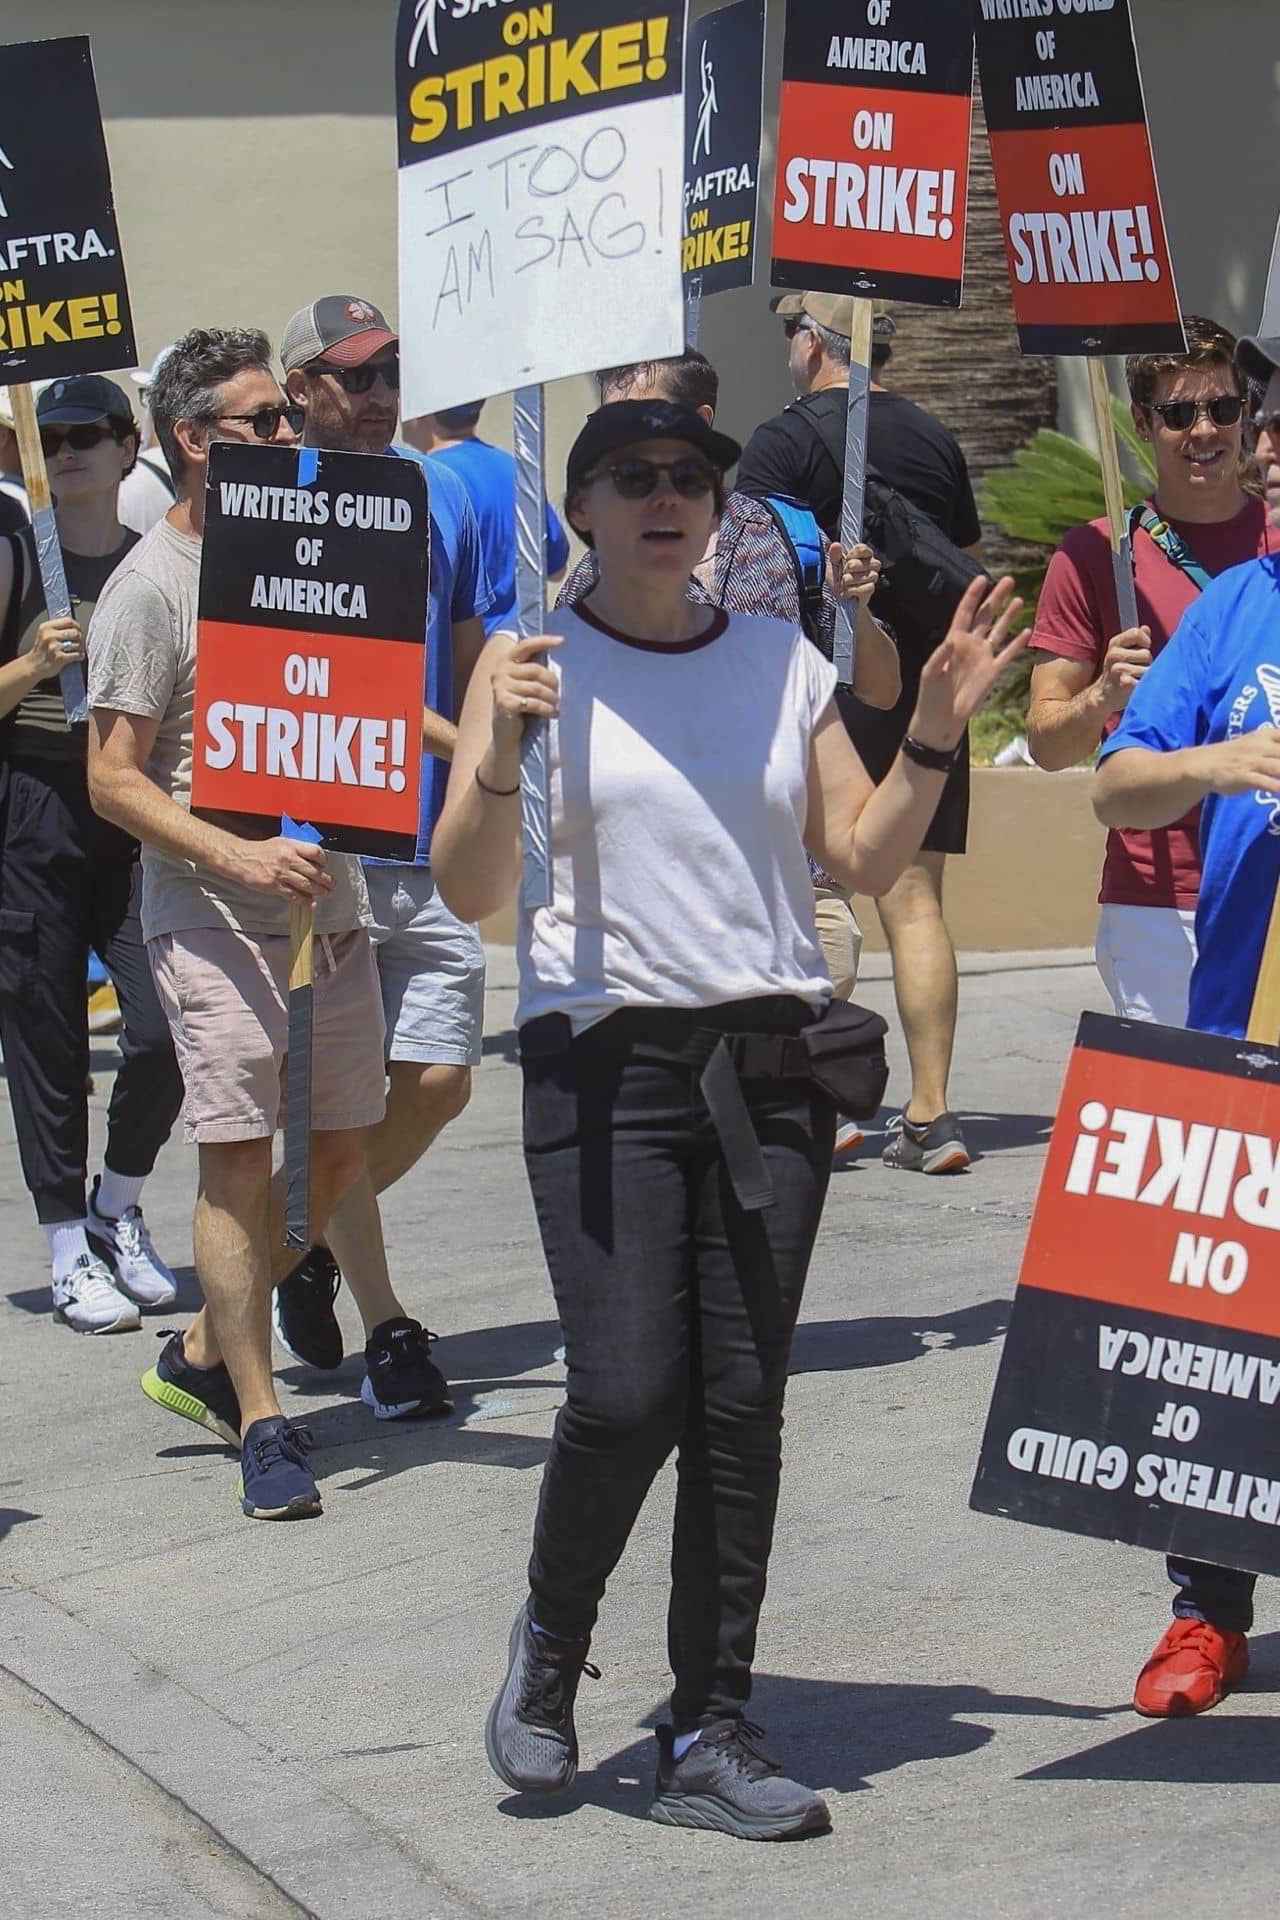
(70, 881)
(678, 1308)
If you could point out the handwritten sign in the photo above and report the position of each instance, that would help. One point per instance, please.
(723, 85)
(1083, 230)
(873, 149)
(540, 192)
(311, 644)
(1137, 1393)
(64, 306)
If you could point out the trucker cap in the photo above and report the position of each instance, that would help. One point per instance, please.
(625, 422)
(1258, 356)
(831, 310)
(338, 327)
(84, 397)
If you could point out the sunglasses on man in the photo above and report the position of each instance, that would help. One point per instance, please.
(265, 421)
(357, 380)
(90, 433)
(636, 478)
(1224, 410)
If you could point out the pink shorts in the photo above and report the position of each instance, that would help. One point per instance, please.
(226, 998)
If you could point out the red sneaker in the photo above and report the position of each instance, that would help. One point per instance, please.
(1190, 1671)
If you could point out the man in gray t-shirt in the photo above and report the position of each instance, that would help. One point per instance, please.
(215, 916)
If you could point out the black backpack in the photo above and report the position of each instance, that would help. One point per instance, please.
(924, 574)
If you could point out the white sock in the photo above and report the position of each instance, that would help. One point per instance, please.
(117, 1192)
(683, 1741)
(66, 1243)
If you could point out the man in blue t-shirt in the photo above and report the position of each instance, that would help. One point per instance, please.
(342, 366)
(489, 475)
(1203, 727)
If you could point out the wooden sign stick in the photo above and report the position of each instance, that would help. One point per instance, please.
(53, 578)
(1113, 492)
(855, 477)
(1264, 1015)
(297, 1127)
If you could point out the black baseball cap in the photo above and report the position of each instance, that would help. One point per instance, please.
(625, 423)
(84, 397)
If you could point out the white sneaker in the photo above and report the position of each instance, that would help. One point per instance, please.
(125, 1245)
(86, 1299)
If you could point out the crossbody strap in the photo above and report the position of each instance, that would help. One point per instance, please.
(1171, 544)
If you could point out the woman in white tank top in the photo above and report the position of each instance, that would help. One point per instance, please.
(677, 1146)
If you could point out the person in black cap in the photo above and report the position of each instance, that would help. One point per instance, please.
(1202, 728)
(677, 1141)
(68, 882)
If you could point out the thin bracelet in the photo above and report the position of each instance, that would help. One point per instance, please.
(935, 759)
(499, 793)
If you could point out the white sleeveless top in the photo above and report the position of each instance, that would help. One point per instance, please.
(678, 778)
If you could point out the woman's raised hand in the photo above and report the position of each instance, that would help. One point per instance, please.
(523, 688)
(960, 673)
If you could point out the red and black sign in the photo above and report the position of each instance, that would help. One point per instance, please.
(64, 306)
(1083, 230)
(312, 644)
(1137, 1395)
(873, 149)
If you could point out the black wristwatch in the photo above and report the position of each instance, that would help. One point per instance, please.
(936, 759)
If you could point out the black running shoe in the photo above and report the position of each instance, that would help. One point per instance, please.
(276, 1482)
(302, 1311)
(724, 1783)
(937, 1147)
(202, 1394)
(403, 1379)
(529, 1735)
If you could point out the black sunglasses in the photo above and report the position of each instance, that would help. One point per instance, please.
(89, 434)
(637, 477)
(795, 323)
(1268, 423)
(265, 421)
(356, 380)
(1224, 410)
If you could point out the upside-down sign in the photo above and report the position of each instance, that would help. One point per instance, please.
(1138, 1397)
(873, 148)
(539, 191)
(1083, 231)
(311, 644)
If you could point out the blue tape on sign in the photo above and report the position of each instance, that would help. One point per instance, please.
(308, 461)
(299, 830)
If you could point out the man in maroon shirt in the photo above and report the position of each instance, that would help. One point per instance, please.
(1191, 407)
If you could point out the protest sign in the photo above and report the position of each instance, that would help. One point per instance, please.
(311, 650)
(1079, 204)
(1137, 1394)
(64, 306)
(873, 149)
(540, 192)
(723, 85)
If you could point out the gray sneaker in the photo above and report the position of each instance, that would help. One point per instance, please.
(725, 1784)
(937, 1147)
(529, 1735)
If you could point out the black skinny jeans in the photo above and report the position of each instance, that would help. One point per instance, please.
(678, 1309)
(70, 881)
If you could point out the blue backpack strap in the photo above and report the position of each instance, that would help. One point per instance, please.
(804, 537)
(1171, 544)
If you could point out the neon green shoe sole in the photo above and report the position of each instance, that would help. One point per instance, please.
(166, 1394)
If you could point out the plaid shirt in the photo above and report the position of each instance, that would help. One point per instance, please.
(751, 571)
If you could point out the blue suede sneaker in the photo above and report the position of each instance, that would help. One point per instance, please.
(275, 1480)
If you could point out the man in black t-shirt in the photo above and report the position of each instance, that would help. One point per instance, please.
(800, 452)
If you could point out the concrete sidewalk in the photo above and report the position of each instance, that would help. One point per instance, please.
(202, 1716)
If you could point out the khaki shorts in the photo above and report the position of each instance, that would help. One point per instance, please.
(839, 936)
(226, 998)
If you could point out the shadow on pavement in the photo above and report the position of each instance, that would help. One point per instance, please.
(11, 1517)
(505, 1045)
(887, 1340)
(834, 1734)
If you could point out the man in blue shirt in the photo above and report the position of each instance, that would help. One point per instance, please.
(1203, 727)
(342, 366)
(489, 475)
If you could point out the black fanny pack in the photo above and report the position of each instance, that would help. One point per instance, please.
(845, 1049)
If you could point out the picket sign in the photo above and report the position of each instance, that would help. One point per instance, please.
(1113, 492)
(53, 578)
(855, 480)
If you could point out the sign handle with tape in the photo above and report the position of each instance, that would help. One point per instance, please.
(528, 440)
(1264, 1014)
(53, 577)
(1113, 492)
(855, 477)
(693, 310)
(297, 1126)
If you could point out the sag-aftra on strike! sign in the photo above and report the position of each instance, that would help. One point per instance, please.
(311, 644)
(1138, 1396)
(1084, 234)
